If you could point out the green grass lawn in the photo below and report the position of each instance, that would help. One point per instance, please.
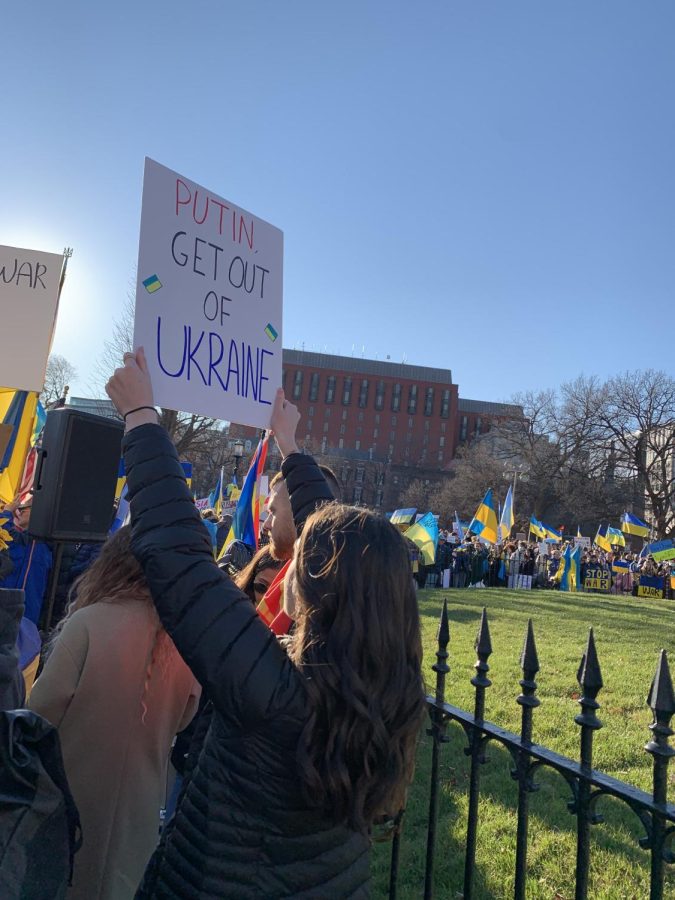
(629, 634)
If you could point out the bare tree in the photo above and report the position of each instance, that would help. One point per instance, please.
(59, 375)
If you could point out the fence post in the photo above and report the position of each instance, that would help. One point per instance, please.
(437, 733)
(590, 681)
(480, 681)
(529, 663)
(661, 701)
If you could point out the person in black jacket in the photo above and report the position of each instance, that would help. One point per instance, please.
(307, 748)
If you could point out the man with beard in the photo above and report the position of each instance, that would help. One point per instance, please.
(282, 532)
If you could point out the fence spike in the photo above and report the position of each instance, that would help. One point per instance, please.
(483, 645)
(661, 697)
(529, 661)
(589, 675)
(443, 636)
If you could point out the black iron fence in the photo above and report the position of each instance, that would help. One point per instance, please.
(587, 785)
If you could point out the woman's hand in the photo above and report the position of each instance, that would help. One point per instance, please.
(130, 388)
(284, 423)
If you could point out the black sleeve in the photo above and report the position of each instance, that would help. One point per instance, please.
(11, 679)
(234, 656)
(306, 484)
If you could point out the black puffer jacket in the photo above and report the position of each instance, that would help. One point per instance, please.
(243, 829)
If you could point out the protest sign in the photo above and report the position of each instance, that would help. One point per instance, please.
(29, 294)
(208, 301)
(583, 542)
(598, 578)
(649, 586)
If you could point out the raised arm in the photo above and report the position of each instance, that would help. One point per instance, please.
(215, 628)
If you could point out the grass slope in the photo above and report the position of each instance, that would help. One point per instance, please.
(629, 634)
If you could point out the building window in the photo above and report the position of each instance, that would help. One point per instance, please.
(396, 398)
(378, 497)
(357, 445)
(379, 395)
(363, 393)
(441, 442)
(445, 404)
(479, 425)
(247, 446)
(358, 493)
(442, 427)
(297, 385)
(377, 419)
(376, 432)
(310, 411)
(341, 444)
(412, 398)
(314, 387)
(393, 420)
(429, 401)
(427, 423)
(284, 373)
(324, 441)
(391, 449)
(359, 429)
(326, 414)
(343, 428)
(359, 475)
(392, 435)
(325, 427)
(309, 424)
(360, 417)
(330, 389)
(408, 438)
(345, 473)
(347, 392)
(344, 415)
(440, 456)
(463, 428)
(410, 423)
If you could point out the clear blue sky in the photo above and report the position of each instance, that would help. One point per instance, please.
(488, 186)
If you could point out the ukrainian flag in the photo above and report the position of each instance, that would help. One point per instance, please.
(575, 569)
(566, 566)
(552, 533)
(507, 520)
(425, 535)
(18, 410)
(602, 540)
(537, 528)
(616, 537)
(630, 524)
(484, 522)
(620, 566)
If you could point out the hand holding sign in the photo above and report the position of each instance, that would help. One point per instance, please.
(130, 389)
(284, 423)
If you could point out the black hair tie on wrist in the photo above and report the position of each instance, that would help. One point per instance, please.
(138, 409)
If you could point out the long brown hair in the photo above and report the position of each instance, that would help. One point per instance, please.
(115, 576)
(358, 643)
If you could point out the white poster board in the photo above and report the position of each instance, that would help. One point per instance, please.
(583, 542)
(208, 301)
(29, 294)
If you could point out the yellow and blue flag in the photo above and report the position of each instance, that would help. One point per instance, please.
(537, 528)
(425, 535)
(507, 519)
(602, 540)
(615, 537)
(484, 522)
(552, 533)
(630, 524)
(574, 577)
(18, 410)
(403, 516)
(565, 569)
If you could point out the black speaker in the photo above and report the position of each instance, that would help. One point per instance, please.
(76, 477)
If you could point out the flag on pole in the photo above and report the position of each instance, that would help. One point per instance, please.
(630, 524)
(458, 527)
(18, 410)
(507, 519)
(602, 540)
(537, 528)
(565, 566)
(616, 537)
(425, 534)
(246, 518)
(574, 578)
(484, 522)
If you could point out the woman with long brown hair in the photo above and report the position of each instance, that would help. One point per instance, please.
(117, 690)
(307, 749)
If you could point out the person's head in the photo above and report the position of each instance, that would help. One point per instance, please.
(22, 512)
(279, 523)
(255, 579)
(357, 641)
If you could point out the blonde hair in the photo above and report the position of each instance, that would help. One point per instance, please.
(116, 577)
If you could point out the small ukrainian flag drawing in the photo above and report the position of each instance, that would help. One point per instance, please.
(271, 332)
(152, 284)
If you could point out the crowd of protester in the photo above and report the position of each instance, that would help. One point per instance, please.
(467, 562)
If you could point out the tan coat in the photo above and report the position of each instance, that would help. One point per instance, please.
(93, 689)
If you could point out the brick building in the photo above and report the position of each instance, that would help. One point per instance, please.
(380, 424)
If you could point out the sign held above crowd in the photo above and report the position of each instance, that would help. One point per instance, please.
(29, 297)
(208, 301)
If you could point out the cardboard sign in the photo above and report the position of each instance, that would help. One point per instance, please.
(598, 578)
(29, 294)
(650, 586)
(208, 301)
